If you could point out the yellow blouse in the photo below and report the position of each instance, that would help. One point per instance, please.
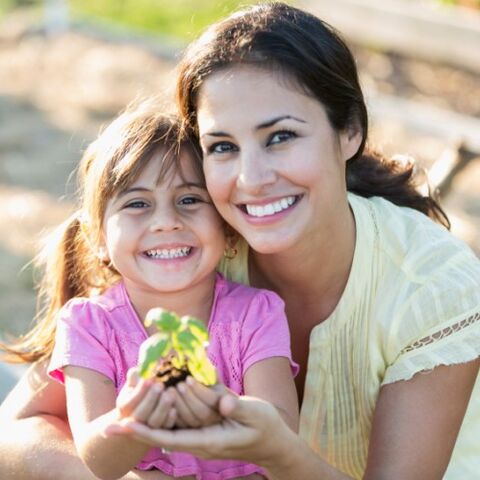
(412, 302)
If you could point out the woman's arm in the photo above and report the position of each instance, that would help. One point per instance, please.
(414, 429)
(35, 439)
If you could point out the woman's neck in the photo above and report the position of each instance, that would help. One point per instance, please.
(313, 274)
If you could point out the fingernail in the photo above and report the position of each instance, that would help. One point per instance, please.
(182, 387)
(190, 381)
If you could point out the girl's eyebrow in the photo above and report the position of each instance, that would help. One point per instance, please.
(133, 189)
(261, 126)
(191, 185)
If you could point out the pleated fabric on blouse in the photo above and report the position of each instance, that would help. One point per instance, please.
(412, 302)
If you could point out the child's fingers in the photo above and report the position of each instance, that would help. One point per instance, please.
(147, 404)
(133, 378)
(129, 398)
(208, 395)
(160, 413)
(205, 413)
(171, 420)
(184, 413)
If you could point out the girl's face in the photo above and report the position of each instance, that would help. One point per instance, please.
(164, 236)
(274, 166)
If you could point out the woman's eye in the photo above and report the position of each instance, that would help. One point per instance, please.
(221, 147)
(280, 137)
(136, 204)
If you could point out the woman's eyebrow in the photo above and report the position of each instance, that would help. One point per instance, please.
(273, 121)
(267, 124)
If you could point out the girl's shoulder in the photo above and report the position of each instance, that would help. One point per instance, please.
(241, 301)
(98, 306)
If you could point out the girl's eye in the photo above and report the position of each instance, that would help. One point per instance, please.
(222, 147)
(136, 204)
(189, 200)
(280, 137)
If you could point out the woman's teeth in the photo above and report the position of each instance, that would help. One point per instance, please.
(270, 208)
(165, 253)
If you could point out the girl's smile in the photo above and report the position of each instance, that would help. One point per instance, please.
(164, 236)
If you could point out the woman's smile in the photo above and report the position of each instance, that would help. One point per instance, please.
(274, 169)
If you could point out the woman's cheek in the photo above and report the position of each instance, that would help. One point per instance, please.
(219, 184)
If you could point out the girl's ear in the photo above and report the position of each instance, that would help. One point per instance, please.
(350, 141)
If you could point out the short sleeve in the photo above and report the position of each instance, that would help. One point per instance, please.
(265, 332)
(439, 324)
(81, 340)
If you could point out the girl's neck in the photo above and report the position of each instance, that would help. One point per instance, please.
(312, 274)
(196, 300)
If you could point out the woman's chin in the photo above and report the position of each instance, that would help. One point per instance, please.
(269, 244)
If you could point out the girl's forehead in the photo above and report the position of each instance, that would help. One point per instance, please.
(171, 168)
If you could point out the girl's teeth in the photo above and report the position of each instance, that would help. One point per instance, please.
(165, 253)
(270, 208)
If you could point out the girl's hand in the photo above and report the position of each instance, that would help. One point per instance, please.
(146, 401)
(251, 430)
(196, 404)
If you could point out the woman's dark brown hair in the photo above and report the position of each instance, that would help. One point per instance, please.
(302, 48)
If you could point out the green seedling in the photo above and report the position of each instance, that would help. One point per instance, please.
(180, 340)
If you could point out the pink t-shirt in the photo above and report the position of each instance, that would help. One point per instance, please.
(104, 334)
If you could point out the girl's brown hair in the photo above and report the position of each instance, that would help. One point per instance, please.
(70, 260)
(304, 49)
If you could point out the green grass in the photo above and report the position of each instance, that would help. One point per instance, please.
(180, 18)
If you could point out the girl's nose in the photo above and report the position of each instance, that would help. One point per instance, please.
(255, 173)
(165, 219)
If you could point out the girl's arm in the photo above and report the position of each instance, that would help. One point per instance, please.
(414, 429)
(91, 401)
(272, 380)
(35, 438)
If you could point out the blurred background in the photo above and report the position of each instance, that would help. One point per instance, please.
(68, 66)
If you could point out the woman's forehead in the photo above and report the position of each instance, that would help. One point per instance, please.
(251, 94)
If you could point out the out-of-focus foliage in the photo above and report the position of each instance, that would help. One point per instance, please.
(465, 3)
(6, 5)
(182, 18)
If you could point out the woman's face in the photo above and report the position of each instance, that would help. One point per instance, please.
(274, 166)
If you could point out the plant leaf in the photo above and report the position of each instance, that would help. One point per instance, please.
(187, 341)
(151, 351)
(197, 328)
(164, 320)
(202, 369)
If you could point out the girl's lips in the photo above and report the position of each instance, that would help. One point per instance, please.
(165, 253)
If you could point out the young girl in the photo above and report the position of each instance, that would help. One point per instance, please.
(147, 235)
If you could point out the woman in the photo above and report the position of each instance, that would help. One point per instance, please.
(383, 305)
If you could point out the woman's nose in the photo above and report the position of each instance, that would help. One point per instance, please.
(165, 219)
(255, 173)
